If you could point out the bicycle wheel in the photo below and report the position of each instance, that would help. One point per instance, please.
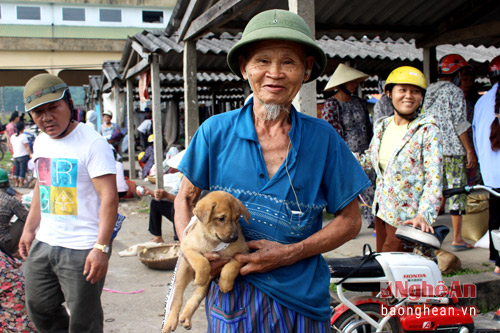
(353, 323)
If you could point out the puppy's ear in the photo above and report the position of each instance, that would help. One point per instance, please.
(203, 210)
(243, 210)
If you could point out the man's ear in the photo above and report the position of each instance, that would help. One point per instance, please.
(309, 66)
(243, 63)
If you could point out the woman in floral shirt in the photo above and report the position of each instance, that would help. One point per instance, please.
(406, 155)
(13, 314)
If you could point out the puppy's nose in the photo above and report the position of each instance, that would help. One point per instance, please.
(233, 237)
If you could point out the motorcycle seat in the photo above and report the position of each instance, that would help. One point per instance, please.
(341, 267)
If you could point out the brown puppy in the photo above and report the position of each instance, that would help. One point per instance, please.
(218, 215)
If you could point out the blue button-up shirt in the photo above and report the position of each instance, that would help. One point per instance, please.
(489, 160)
(225, 154)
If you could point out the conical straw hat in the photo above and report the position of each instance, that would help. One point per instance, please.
(344, 74)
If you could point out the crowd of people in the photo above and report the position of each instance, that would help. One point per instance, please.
(424, 137)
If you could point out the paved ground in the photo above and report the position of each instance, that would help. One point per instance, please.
(142, 311)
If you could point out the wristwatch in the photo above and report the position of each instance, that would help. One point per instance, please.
(103, 248)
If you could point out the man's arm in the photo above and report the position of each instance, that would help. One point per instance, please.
(96, 264)
(271, 255)
(32, 223)
(184, 204)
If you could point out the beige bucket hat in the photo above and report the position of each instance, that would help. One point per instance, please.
(344, 74)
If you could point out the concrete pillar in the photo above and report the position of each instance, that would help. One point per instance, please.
(191, 116)
(156, 104)
(305, 101)
(131, 128)
(430, 64)
(118, 111)
(99, 109)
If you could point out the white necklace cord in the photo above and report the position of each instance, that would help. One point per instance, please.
(290, 178)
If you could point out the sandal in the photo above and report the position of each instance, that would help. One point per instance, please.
(463, 247)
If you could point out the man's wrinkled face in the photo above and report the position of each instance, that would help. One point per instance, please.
(275, 70)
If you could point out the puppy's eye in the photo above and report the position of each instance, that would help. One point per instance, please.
(221, 219)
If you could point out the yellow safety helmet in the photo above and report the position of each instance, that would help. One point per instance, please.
(140, 156)
(406, 75)
(151, 138)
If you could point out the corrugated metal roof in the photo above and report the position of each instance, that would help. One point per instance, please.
(111, 71)
(408, 19)
(202, 78)
(93, 90)
(372, 56)
(47, 31)
(375, 57)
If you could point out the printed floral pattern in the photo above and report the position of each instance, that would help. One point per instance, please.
(446, 102)
(350, 120)
(412, 181)
(13, 313)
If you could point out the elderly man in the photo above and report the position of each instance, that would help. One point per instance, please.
(286, 167)
(68, 230)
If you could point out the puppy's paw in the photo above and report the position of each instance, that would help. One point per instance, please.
(170, 324)
(185, 322)
(226, 285)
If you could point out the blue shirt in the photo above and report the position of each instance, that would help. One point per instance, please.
(489, 160)
(225, 154)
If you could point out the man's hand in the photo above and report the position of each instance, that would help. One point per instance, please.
(216, 263)
(25, 242)
(96, 265)
(159, 194)
(269, 255)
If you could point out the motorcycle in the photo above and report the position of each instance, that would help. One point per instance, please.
(409, 288)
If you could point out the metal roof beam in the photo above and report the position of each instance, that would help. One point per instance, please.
(191, 10)
(491, 29)
(469, 12)
(139, 67)
(372, 30)
(218, 14)
(139, 49)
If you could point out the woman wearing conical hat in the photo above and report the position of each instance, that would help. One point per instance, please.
(347, 113)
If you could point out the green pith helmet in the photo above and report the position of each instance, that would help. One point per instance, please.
(42, 89)
(278, 24)
(4, 178)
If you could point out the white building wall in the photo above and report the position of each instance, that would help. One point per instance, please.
(52, 14)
